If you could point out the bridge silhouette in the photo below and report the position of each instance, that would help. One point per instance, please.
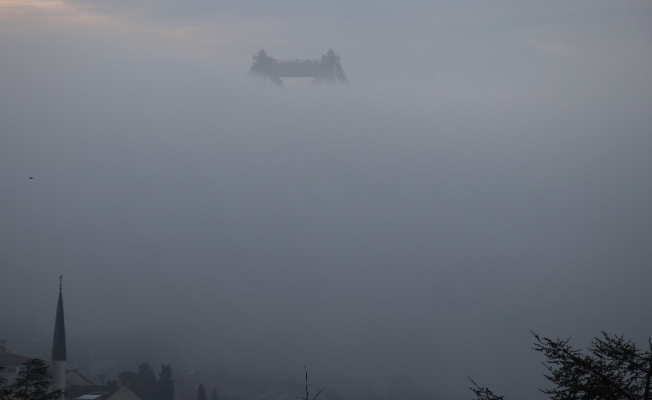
(328, 69)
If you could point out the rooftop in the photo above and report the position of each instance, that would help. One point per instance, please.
(13, 359)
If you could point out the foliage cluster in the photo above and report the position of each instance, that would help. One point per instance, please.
(32, 383)
(201, 392)
(611, 368)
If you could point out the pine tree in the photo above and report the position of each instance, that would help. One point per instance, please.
(165, 383)
(214, 395)
(201, 392)
(145, 386)
(33, 383)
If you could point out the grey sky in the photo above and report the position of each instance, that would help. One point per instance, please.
(487, 172)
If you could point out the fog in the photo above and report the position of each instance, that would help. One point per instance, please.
(487, 172)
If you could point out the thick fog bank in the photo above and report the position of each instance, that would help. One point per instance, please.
(477, 179)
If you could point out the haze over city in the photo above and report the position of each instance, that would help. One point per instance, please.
(485, 173)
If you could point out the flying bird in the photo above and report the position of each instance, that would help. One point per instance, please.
(31, 177)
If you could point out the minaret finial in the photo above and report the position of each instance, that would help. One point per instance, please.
(60, 282)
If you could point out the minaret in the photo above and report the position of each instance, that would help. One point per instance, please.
(59, 347)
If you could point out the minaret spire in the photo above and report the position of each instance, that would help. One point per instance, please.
(59, 345)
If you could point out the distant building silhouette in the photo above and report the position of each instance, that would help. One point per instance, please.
(124, 393)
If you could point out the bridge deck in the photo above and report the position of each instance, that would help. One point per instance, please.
(296, 69)
(328, 69)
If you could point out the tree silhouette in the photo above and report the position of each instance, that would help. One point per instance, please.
(611, 368)
(4, 390)
(146, 387)
(165, 383)
(214, 395)
(483, 393)
(201, 392)
(33, 383)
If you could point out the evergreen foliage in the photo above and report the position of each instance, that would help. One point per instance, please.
(611, 368)
(165, 383)
(214, 395)
(146, 386)
(201, 392)
(32, 383)
(4, 390)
